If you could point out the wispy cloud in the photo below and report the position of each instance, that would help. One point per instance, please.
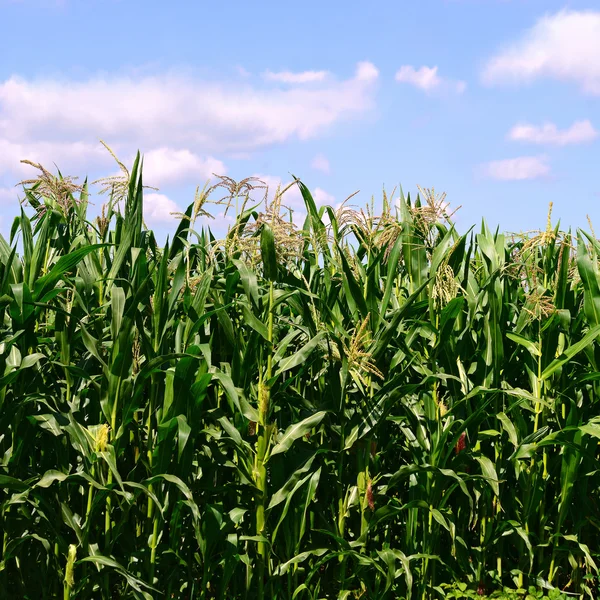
(9, 204)
(321, 163)
(561, 46)
(428, 79)
(290, 77)
(517, 169)
(242, 72)
(9, 196)
(548, 133)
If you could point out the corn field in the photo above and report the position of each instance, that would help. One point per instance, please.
(365, 406)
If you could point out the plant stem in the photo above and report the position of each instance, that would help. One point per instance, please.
(262, 449)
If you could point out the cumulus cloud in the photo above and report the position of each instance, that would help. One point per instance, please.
(320, 163)
(179, 112)
(425, 78)
(166, 165)
(517, 169)
(158, 209)
(366, 71)
(70, 157)
(560, 46)
(180, 123)
(162, 166)
(302, 77)
(428, 80)
(548, 133)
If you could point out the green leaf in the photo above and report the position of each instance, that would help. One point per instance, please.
(589, 277)
(571, 352)
(532, 347)
(64, 264)
(269, 255)
(50, 477)
(489, 472)
(301, 356)
(12, 483)
(297, 430)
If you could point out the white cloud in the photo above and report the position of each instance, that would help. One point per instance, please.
(9, 197)
(158, 209)
(162, 166)
(219, 222)
(70, 157)
(9, 205)
(322, 197)
(292, 197)
(320, 163)
(166, 165)
(561, 46)
(366, 71)
(517, 169)
(548, 133)
(427, 79)
(289, 77)
(179, 112)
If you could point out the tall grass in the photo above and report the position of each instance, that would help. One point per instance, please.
(366, 406)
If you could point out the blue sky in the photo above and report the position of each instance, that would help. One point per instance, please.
(495, 102)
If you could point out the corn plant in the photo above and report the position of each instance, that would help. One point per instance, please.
(369, 405)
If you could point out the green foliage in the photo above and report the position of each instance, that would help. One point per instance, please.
(367, 406)
(462, 591)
